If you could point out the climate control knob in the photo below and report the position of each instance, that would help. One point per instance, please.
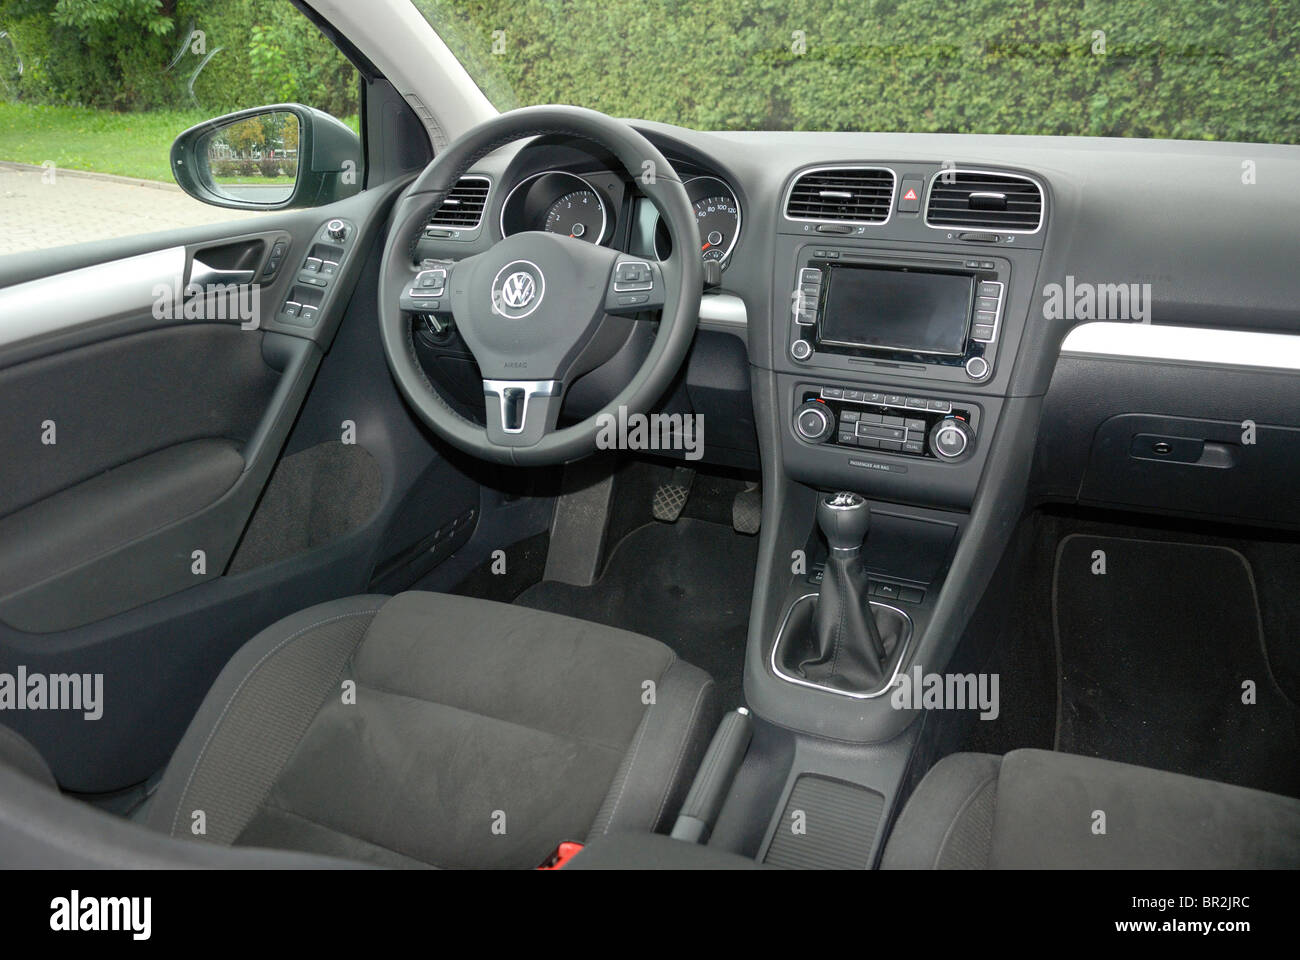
(814, 422)
(951, 438)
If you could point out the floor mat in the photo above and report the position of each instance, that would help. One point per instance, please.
(1153, 654)
(687, 584)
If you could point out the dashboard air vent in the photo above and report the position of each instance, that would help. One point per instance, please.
(975, 200)
(842, 195)
(463, 208)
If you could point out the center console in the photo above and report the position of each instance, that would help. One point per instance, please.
(894, 449)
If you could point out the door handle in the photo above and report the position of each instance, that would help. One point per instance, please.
(203, 276)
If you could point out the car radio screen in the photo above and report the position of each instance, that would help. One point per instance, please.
(897, 310)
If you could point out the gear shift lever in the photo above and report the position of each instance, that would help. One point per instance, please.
(847, 649)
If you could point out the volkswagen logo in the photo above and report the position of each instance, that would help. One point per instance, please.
(517, 289)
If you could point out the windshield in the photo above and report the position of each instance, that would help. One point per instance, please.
(1189, 69)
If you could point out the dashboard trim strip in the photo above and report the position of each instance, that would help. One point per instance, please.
(1206, 346)
(113, 288)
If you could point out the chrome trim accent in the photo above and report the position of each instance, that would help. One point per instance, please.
(723, 309)
(1042, 206)
(889, 211)
(1208, 346)
(487, 197)
(604, 210)
(898, 664)
(114, 288)
(531, 388)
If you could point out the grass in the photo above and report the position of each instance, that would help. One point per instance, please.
(79, 138)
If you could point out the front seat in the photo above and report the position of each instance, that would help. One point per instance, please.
(435, 730)
(1035, 809)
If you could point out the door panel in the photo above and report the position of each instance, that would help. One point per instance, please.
(166, 432)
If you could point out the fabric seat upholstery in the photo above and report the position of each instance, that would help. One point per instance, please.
(1035, 809)
(437, 730)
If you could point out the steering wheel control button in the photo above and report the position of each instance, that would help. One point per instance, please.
(950, 438)
(977, 368)
(632, 299)
(801, 350)
(814, 422)
(517, 289)
(633, 275)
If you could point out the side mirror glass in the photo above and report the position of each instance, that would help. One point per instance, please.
(253, 160)
(269, 158)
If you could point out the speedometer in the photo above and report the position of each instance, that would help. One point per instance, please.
(717, 219)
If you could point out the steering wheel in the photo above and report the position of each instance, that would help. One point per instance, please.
(537, 309)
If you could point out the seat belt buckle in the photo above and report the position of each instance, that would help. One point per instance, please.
(565, 852)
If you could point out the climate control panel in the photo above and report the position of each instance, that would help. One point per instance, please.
(908, 425)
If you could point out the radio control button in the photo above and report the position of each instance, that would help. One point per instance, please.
(982, 331)
(801, 350)
(977, 368)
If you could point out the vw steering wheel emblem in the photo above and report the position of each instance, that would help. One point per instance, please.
(517, 289)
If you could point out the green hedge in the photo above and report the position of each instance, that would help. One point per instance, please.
(1196, 69)
(143, 54)
(1200, 69)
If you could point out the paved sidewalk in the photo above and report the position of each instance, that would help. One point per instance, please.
(73, 209)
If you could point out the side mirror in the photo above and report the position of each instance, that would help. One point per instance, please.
(268, 158)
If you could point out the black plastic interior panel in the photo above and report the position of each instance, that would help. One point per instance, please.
(107, 511)
(1171, 438)
(188, 551)
(1207, 468)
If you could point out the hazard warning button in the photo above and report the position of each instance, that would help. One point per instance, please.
(909, 194)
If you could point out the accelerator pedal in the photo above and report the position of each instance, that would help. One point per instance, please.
(747, 509)
(671, 496)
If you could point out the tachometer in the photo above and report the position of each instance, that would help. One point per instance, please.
(578, 214)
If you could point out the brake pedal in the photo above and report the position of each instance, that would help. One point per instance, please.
(747, 509)
(670, 497)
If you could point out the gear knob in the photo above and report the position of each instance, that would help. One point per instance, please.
(844, 519)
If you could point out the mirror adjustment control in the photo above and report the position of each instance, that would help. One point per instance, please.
(337, 230)
(814, 422)
(951, 438)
